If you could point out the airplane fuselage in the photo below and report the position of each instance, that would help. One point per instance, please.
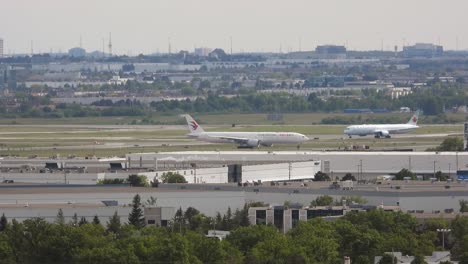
(364, 130)
(264, 138)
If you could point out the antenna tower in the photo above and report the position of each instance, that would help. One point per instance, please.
(110, 44)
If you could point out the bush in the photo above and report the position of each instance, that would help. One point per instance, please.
(111, 181)
(173, 177)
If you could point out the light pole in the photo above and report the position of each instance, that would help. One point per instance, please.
(443, 231)
(360, 173)
(450, 176)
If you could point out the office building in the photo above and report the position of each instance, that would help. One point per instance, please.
(330, 52)
(1, 48)
(423, 50)
(286, 218)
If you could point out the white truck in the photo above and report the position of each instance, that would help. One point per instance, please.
(343, 185)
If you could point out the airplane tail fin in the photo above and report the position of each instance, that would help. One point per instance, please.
(193, 126)
(414, 119)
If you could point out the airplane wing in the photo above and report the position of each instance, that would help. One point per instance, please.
(242, 141)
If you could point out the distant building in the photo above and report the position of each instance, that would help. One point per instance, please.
(116, 80)
(331, 51)
(437, 257)
(219, 234)
(3, 74)
(159, 216)
(398, 92)
(202, 52)
(423, 50)
(286, 218)
(1, 48)
(218, 54)
(77, 52)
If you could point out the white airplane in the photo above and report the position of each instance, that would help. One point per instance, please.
(384, 130)
(244, 139)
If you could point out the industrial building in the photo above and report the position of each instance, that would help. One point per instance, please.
(365, 165)
(331, 52)
(159, 216)
(423, 50)
(435, 258)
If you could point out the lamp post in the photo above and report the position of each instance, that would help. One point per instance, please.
(360, 173)
(443, 231)
(450, 176)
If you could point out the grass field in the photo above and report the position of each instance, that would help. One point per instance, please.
(220, 119)
(114, 137)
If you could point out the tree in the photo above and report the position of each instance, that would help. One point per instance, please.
(320, 176)
(74, 221)
(451, 144)
(173, 177)
(388, 259)
(189, 216)
(151, 201)
(441, 177)
(96, 220)
(404, 173)
(137, 180)
(136, 217)
(464, 259)
(463, 206)
(318, 239)
(3, 222)
(113, 225)
(323, 200)
(60, 219)
(83, 221)
(348, 177)
(419, 260)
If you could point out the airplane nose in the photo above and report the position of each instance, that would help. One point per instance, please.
(305, 138)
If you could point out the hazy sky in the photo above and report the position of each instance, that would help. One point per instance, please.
(145, 26)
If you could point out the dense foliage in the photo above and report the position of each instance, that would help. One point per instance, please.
(432, 100)
(360, 235)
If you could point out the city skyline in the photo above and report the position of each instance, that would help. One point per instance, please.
(146, 26)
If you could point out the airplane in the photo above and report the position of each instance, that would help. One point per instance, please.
(244, 139)
(383, 130)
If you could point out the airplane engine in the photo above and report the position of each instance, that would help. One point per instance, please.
(382, 134)
(253, 143)
(266, 144)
